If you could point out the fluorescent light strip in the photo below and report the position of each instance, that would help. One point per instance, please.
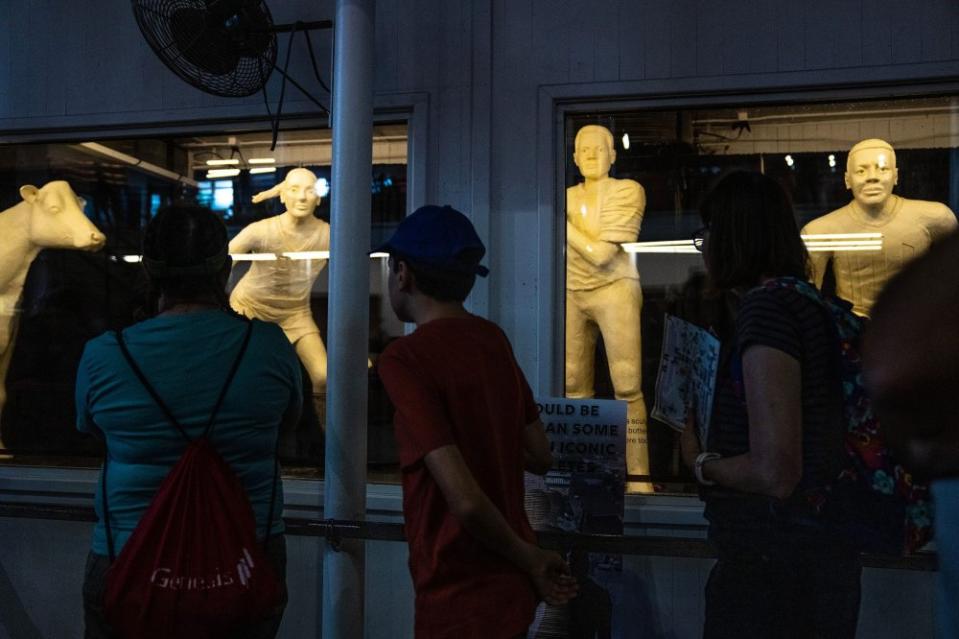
(220, 173)
(668, 246)
(628, 245)
(817, 243)
(831, 249)
(147, 167)
(662, 250)
(843, 236)
(261, 161)
(263, 169)
(226, 162)
(253, 257)
(293, 255)
(865, 243)
(690, 250)
(307, 255)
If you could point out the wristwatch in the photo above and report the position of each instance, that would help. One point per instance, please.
(701, 459)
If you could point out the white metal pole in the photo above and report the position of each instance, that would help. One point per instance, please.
(348, 335)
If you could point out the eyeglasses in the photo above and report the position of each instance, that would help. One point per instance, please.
(699, 238)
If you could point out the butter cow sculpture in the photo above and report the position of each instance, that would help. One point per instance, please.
(908, 227)
(603, 295)
(279, 290)
(49, 217)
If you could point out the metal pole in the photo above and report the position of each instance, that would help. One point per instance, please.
(345, 495)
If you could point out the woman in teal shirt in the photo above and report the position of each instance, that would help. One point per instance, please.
(185, 350)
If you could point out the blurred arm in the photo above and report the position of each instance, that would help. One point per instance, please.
(537, 457)
(773, 465)
(473, 509)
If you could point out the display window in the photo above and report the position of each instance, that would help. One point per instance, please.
(71, 222)
(873, 183)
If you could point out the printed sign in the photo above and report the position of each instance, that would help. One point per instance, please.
(583, 493)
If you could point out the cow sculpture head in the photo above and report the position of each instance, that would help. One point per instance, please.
(57, 219)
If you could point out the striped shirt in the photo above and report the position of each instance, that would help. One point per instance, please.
(783, 319)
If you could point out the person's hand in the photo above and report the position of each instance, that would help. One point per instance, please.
(550, 576)
(689, 446)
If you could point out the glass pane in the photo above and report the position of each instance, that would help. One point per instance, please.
(58, 297)
(675, 156)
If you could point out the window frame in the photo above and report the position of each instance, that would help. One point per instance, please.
(555, 104)
(73, 482)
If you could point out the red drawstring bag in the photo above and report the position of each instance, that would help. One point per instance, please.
(192, 567)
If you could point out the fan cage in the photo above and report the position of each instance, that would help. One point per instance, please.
(224, 47)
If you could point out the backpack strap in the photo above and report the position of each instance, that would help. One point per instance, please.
(149, 388)
(111, 547)
(801, 286)
(276, 478)
(159, 402)
(229, 378)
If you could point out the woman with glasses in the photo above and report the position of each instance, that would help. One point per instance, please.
(775, 434)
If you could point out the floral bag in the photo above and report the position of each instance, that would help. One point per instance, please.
(875, 503)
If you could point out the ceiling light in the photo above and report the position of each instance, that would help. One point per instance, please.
(253, 257)
(223, 162)
(322, 187)
(841, 236)
(306, 255)
(263, 169)
(667, 246)
(626, 140)
(159, 171)
(262, 161)
(218, 173)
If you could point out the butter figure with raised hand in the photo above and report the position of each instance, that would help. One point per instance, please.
(279, 290)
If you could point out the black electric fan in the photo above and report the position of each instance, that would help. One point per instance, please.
(224, 47)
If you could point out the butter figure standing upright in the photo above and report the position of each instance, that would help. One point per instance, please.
(603, 294)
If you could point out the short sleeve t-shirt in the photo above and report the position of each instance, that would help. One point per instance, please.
(282, 284)
(908, 233)
(455, 381)
(186, 358)
(786, 320)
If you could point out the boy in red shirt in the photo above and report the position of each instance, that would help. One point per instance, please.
(466, 428)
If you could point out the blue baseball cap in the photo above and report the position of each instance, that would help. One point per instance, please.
(438, 236)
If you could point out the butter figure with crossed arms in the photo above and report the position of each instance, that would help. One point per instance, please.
(603, 294)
